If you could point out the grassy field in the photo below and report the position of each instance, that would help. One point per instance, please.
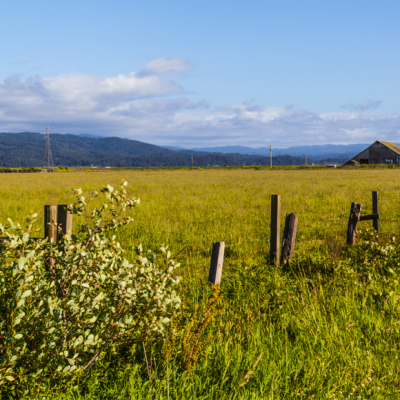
(325, 327)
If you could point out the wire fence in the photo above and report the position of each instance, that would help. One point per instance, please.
(306, 228)
(309, 235)
(313, 233)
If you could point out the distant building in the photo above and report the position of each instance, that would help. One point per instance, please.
(378, 153)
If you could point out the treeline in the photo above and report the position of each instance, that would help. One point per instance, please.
(26, 150)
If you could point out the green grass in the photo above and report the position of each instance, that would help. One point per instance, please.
(321, 330)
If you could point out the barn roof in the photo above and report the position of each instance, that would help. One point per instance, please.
(391, 146)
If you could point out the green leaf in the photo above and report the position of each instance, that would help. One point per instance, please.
(30, 254)
(21, 263)
(21, 302)
(26, 293)
(18, 336)
(89, 340)
(9, 378)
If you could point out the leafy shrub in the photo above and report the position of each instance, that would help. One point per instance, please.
(62, 304)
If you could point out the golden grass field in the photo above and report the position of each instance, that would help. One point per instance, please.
(197, 207)
(317, 330)
(191, 209)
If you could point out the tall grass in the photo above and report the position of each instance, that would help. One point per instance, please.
(324, 327)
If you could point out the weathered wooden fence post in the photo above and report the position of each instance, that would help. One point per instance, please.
(64, 221)
(353, 221)
(289, 237)
(50, 231)
(217, 262)
(50, 217)
(375, 210)
(275, 238)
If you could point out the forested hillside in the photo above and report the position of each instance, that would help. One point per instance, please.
(26, 150)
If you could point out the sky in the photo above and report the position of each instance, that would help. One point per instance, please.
(203, 73)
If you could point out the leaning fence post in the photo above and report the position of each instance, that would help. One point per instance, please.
(289, 237)
(275, 239)
(353, 221)
(64, 221)
(217, 261)
(50, 217)
(375, 210)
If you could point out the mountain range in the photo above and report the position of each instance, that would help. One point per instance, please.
(26, 149)
(317, 152)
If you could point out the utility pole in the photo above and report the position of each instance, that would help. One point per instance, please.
(192, 161)
(270, 155)
(306, 160)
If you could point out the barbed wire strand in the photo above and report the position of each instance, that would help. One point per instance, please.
(330, 217)
(326, 219)
(326, 227)
(191, 288)
(179, 253)
(385, 212)
(244, 258)
(388, 199)
(190, 270)
(247, 234)
(226, 261)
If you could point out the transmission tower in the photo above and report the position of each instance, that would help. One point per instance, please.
(47, 157)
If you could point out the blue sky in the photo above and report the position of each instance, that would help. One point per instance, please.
(203, 73)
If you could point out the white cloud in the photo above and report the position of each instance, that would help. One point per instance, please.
(365, 105)
(167, 67)
(148, 106)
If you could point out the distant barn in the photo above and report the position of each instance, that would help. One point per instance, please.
(378, 153)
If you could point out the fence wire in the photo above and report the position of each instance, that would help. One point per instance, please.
(321, 227)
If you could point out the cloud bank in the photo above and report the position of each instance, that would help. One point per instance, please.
(149, 105)
(365, 105)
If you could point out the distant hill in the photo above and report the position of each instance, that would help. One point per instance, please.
(26, 150)
(317, 151)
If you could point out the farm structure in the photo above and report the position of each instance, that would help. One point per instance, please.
(378, 153)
